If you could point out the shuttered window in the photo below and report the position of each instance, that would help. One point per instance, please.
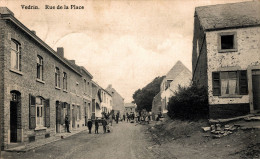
(243, 83)
(230, 83)
(32, 113)
(47, 112)
(62, 121)
(68, 111)
(216, 83)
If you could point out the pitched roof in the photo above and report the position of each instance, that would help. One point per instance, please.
(229, 15)
(176, 70)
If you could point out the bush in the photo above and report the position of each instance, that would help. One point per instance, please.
(189, 103)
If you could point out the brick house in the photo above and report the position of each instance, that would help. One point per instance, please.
(38, 86)
(226, 57)
(179, 75)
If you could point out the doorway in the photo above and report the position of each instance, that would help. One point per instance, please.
(15, 115)
(256, 89)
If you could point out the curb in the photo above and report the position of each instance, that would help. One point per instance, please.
(26, 149)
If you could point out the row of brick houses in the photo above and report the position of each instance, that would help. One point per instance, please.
(39, 87)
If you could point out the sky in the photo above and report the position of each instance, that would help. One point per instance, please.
(126, 43)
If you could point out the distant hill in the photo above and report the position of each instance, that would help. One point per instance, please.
(143, 98)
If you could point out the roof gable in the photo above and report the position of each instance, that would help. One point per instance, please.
(175, 71)
(230, 15)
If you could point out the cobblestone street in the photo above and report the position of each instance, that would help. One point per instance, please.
(127, 140)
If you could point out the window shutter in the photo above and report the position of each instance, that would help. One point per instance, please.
(59, 113)
(80, 112)
(216, 83)
(20, 59)
(32, 113)
(243, 86)
(62, 120)
(47, 112)
(68, 111)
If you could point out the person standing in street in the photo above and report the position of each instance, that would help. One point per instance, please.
(104, 123)
(117, 117)
(96, 126)
(89, 126)
(67, 124)
(124, 117)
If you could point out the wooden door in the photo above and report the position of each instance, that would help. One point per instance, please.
(256, 89)
(13, 121)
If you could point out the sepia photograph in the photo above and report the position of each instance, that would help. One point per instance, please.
(129, 79)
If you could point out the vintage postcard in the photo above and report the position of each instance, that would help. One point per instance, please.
(130, 79)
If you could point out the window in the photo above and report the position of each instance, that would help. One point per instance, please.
(227, 42)
(64, 81)
(230, 83)
(15, 55)
(39, 112)
(57, 77)
(78, 113)
(85, 85)
(39, 68)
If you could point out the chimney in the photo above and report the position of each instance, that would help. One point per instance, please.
(34, 32)
(60, 51)
(72, 61)
(110, 86)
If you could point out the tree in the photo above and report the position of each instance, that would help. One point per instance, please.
(143, 98)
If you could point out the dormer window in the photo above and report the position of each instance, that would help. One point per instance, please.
(227, 42)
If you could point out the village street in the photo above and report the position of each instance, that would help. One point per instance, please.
(127, 140)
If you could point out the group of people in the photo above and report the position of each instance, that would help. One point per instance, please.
(90, 123)
(96, 122)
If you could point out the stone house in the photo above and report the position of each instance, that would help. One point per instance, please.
(118, 101)
(179, 75)
(226, 57)
(39, 87)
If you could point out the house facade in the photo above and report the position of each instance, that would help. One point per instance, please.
(226, 57)
(107, 102)
(130, 108)
(179, 75)
(39, 87)
(118, 101)
(96, 111)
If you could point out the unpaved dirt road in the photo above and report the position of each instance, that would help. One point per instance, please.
(126, 141)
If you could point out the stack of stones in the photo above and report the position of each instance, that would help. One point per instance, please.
(218, 131)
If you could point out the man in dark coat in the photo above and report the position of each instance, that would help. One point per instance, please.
(96, 126)
(67, 124)
(89, 126)
(124, 117)
(104, 123)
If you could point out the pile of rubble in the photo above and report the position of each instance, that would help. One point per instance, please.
(217, 131)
